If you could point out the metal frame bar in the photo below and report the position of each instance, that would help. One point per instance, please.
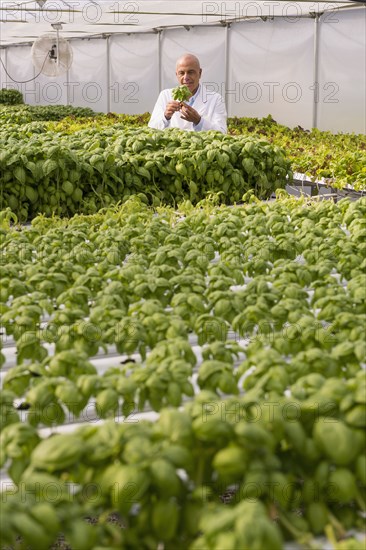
(227, 60)
(108, 74)
(68, 87)
(160, 76)
(316, 71)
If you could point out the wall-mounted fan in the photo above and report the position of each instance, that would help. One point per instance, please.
(51, 55)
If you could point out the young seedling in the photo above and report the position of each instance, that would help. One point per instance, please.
(181, 93)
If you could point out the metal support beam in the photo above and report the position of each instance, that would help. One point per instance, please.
(68, 102)
(226, 63)
(108, 74)
(316, 71)
(160, 76)
(227, 58)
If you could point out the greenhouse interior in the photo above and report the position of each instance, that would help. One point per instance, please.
(182, 275)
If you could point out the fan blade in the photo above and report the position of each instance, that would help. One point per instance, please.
(61, 58)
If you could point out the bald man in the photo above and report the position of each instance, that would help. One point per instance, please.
(205, 110)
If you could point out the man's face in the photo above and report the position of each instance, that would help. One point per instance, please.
(189, 73)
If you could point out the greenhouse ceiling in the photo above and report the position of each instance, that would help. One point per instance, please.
(23, 21)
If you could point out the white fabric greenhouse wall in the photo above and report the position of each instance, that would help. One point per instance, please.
(342, 73)
(267, 68)
(88, 76)
(271, 70)
(134, 73)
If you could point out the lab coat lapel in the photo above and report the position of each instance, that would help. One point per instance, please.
(200, 100)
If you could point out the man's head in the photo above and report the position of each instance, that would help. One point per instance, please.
(188, 71)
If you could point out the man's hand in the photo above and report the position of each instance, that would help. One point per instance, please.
(189, 114)
(171, 108)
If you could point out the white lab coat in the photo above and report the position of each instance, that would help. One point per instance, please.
(209, 105)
